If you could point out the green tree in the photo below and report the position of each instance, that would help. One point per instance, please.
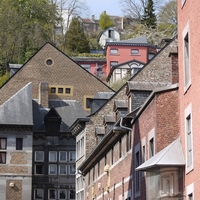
(149, 17)
(25, 25)
(75, 39)
(105, 21)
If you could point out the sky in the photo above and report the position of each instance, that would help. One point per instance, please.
(112, 7)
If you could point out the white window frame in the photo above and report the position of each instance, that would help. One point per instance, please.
(188, 76)
(189, 191)
(69, 193)
(62, 160)
(55, 165)
(71, 153)
(188, 113)
(71, 166)
(55, 154)
(134, 51)
(60, 169)
(39, 160)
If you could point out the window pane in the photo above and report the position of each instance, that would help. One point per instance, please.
(53, 90)
(71, 194)
(60, 90)
(72, 169)
(19, 143)
(62, 156)
(52, 156)
(52, 169)
(72, 156)
(63, 169)
(39, 156)
(38, 169)
(38, 193)
(67, 90)
(113, 51)
(134, 51)
(52, 194)
(2, 157)
(62, 194)
(2, 143)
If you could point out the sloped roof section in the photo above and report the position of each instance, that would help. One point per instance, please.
(18, 109)
(69, 111)
(172, 155)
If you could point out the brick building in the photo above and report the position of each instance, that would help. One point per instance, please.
(38, 104)
(105, 146)
(188, 31)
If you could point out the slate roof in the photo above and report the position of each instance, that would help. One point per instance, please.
(103, 95)
(140, 41)
(69, 111)
(18, 109)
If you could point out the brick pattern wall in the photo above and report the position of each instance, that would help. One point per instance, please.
(14, 193)
(63, 71)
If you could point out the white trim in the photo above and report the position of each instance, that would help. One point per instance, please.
(188, 112)
(184, 33)
(151, 135)
(190, 190)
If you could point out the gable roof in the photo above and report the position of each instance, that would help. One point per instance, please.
(62, 70)
(18, 109)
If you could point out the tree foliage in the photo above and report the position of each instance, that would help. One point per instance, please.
(168, 13)
(25, 25)
(149, 17)
(75, 39)
(105, 21)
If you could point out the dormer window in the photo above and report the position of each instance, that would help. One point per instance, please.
(110, 33)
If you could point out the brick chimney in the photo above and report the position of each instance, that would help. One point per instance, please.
(174, 67)
(44, 94)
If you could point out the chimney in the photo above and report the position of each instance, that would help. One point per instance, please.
(93, 18)
(44, 94)
(174, 67)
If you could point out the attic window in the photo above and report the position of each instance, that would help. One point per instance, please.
(49, 62)
(61, 90)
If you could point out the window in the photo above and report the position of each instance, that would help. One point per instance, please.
(19, 143)
(190, 192)
(110, 33)
(98, 168)
(63, 169)
(186, 57)
(120, 148)
(134, 52)
(60, 90)
(52, 169)
(93, 173)
(49, 62)
(67, 90)
(105, 159)
(52, 194)
(72, 156)
(38, 193)
(2, 157)
(112, 155)
(188, 138)
(151, 143)
(72, 169)
(137, 173)
(128, 141)
(52, 156)
(3, 146)
(151, 147)
(38, 169)
(53, 90)
(62, 194)
(113, 63)
(114, 51)
(72, 194)
(3, 143)
(39, 156)
(62, 156)
(87, 102)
